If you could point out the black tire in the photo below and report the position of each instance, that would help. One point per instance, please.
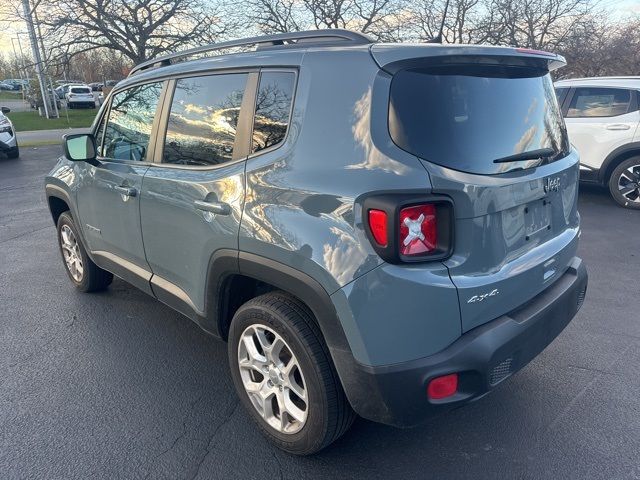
(14, 152)
(329, 414)
(634, 201)
(93, 277)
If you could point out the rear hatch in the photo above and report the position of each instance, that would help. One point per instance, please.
(486, 125)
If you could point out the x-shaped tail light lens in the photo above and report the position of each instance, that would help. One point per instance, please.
(418, 230)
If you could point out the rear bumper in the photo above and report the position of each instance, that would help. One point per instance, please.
(83, 103)
(483, 358)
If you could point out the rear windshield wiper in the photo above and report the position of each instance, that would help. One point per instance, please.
(541, 153)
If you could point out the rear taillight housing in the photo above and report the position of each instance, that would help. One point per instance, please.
(405, 228)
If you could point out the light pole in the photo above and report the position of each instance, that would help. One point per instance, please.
(36, 54)
(25, 72)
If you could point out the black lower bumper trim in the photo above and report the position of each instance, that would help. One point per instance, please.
(482, 357)
(590, 176)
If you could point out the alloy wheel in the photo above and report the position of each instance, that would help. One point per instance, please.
(629, 183)
(272, 377)
(71, 253)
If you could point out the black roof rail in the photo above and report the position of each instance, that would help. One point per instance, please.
(278, 40)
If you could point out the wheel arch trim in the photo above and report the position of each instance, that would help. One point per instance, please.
(60, 193)
(614, 159)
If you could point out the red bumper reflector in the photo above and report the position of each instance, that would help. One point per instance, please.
(443, 387)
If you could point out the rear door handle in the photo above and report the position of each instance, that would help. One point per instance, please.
(127, 191)
(618, 126)
(219, 208)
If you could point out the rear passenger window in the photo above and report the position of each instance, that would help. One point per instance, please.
(203, 119)
(599, 102)
(273, 107)
(130, 121)
(561, 94)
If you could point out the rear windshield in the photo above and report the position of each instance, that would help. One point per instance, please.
(465, 117)
(81, 90)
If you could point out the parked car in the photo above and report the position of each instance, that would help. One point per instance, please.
(11, 85)
(8, 139)
(61, 91)
(35, 98)
(602, 116)
(96, 86)
(63, 88)
(4, 85)
(390, 242)
(79, 96)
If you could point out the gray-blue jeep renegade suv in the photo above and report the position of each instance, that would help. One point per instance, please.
(387, 230)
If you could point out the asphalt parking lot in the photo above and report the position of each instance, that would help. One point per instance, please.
(116, 385)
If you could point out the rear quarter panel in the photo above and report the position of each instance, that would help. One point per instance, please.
(301, 207)
(304, 209)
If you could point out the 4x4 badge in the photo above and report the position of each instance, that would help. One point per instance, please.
(551, 184)
(479, 298)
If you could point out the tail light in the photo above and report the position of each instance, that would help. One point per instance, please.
(404, 228)
(378, 225)
(418, 230)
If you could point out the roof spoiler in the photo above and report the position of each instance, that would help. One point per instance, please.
(392, 57)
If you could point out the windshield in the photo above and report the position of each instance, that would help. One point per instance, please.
(80, 90)
(466, 117)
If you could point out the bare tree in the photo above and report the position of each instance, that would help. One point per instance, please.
(138, 29)
(598, 47)
(375, 17)
(534, 23)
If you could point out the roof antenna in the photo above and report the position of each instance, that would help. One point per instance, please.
(438, 38)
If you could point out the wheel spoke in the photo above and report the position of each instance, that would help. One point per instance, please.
(273, 352)
(298, 390)
(65, 236)
(252, 351)
(292, 409)
(627, 190)
(635, 176)
(262, 339)
(254, 387)
(252, 364)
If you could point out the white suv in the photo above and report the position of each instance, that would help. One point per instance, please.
(602, 116)
(80, 96)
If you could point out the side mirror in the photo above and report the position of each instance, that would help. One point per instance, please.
(79, 147)
(5, 109)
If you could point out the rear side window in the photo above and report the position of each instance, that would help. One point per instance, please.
(203, 119)
(130, 120)
(599, 102)
(273, 108)
(465, 117)
(561, 94)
